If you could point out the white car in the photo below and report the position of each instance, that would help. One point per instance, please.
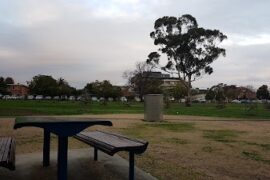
(39, 97)
(137, 99)
(30, 97)
(56, 98)
(123, 99)
(236, 101)
(48, 97)
(71, 98)
(6, 97)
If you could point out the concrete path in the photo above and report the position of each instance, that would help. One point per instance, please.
(81, 166)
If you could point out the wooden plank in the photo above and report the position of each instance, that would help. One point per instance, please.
(7, 150)
(3, 148)
(11, 161)
(111, 143)
(112, 140)
(7, 153)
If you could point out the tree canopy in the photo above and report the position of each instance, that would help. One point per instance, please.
(141, 81)
(9, 80)
(43, 85)
(48, 86)
(190, 49)
(262, 92)
(103, 89)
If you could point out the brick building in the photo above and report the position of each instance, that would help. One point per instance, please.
(18, 89)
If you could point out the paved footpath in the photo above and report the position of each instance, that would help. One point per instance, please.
(80, 167)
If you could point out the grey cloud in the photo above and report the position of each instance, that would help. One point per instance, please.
(69, 39)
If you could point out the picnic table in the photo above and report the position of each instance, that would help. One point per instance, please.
(63, 128)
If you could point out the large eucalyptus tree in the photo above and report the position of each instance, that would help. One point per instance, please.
(190, 49)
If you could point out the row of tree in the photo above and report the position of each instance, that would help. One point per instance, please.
(48, 86)
(222, 92)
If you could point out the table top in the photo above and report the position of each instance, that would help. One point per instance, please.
(59, 125)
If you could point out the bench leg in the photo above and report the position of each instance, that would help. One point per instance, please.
(95, 154)
(131, 166)
(62, 158)
(46, 148)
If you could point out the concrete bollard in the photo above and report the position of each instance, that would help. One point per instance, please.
(153, 107)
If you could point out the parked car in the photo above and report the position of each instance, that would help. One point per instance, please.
(56, 97)
(71, 98)
(110, 99)
(202, 100)
(101, 98)
(30, 97)
(94, 99)
(63, 97)
(236, 101)
(39, 97)
(183, 100)
(123, 99)
(48, 97)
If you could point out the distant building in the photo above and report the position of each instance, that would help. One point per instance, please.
(18, 89)
(167, 80)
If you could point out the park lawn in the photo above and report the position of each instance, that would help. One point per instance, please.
(230, 110)
(179, 149)
(20, 108)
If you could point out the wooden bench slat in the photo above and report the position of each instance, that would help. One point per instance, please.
(7, 152)
(112, 140)
(112, 143)
(3, 148)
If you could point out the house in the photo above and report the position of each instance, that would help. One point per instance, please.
(18, 89)
(167, 80)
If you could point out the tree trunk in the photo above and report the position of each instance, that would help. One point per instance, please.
(188, 98)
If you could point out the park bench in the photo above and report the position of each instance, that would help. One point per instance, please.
(7, 152)
(112, 143)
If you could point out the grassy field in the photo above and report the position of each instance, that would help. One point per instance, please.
(18, 108)
(180, 148)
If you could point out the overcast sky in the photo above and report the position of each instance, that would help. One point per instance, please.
(85, 40)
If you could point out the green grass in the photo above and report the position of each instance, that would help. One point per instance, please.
(255, 156)
(221, 135)
(231, 110)
(264, 146)
(20, 108)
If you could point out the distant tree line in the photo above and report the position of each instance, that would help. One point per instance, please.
(139, 81)
(48, 86)
(222, 92)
